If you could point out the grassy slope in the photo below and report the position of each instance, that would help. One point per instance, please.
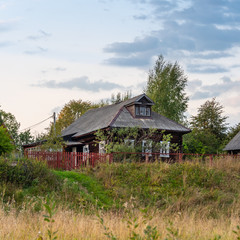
(174, 187)
(211, 191)
(91, 188)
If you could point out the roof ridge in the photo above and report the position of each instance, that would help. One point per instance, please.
(116, 116)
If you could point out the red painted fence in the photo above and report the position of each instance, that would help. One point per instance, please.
(70, 160)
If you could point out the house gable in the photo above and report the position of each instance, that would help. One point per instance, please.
(141, 108)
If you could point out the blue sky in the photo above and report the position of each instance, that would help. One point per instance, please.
(56, 51)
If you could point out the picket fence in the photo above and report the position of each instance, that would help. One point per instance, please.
(69, 160)
(76, 160)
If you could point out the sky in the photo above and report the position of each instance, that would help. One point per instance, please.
(52, 52)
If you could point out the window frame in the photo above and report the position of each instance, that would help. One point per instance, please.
(101, 146)
(143, 111)
(145, 148)
(129, 142)
(164, 149)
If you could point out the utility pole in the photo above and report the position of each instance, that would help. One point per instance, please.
(54, 122)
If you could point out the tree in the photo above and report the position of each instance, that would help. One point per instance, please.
(200, 142)
(209, 129)
(6, 145)
(166, 86)
(11, 124)
(121, 97)
(24, 138)
(210, 118)
(232, 131)
(53, 140)
(73, 110)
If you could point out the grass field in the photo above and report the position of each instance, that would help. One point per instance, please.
(161, 201)
(70, 225)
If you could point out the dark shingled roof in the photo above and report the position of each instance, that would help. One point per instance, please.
(116, 115)
(234, 144)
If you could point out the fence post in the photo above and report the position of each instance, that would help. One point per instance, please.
(211, 160)
(146, 157)
(180, 157)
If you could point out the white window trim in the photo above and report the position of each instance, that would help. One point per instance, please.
(102, 147)
(129, 142)
(147, 147)
(164, 149)
(86, 148)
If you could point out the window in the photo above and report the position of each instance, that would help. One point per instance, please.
(129, 143)
(148, 111)
(164, 149)
(143, 111)
(137, 111)
(102, 147)
(147, 147)
(86, 149)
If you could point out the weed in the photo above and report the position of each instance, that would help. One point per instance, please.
(237, 232)
(50, 208)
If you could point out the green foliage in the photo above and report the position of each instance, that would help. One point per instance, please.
(237, 232)
(210, 118)
(28, 173)
(53, 140)
(11, 123)
(50, 207)
(118, 140)
(32, 179)
(232, 131)
(6, 145)
(95, 194)
(201, 142)
(166, 86)
(162, 185)
(120, 97)
(73, 110)
(18, 138)
(209, 130)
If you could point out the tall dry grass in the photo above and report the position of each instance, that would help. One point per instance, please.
(78, 226)
(194, 224)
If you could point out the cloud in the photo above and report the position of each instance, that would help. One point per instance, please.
(197, 68)
(206, 28)
(80, 83)
(41, 34)
(135, 54)
(139, 45)
(211, 55)
(132, 61)
(6, 25)
(140, 17)
(201, 95)
(193, 85)
(214, 90)
(5, 44)
(60, 69)
(37, 50)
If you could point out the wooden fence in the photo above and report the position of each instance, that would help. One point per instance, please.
(70, 160)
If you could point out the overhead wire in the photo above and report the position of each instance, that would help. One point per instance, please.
(36, 124)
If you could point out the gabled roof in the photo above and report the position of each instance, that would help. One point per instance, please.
(234, 144)
(116, 115)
